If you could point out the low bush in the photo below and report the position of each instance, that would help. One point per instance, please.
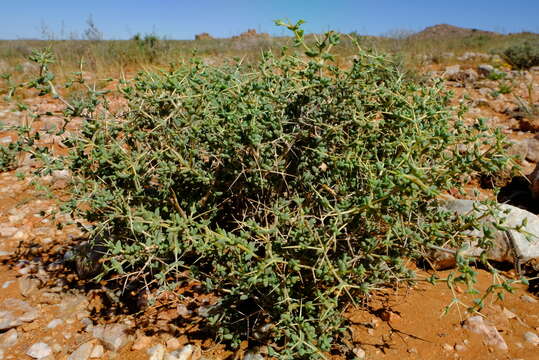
(523, 56)
(288, 188)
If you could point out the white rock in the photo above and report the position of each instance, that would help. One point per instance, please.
(113, 336)
(39, 350)
(27, 285)
(8, 231)
(20, 235)
(532, 153)
(83, 352)
(485, 69)
(184, 354)
(447, 347)
(477, 324)
(528, 299)
(14, 312)
(156, 352)
(251, 355)
(16, 218)
(452, 72)
(97, 352)
(359, 353)
(54, 323)
(9, 338)
(532, 338)
(506, 244)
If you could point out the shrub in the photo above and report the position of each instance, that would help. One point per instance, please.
(288, 188)
(523, 56)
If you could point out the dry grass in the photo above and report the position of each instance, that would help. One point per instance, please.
(105, 58)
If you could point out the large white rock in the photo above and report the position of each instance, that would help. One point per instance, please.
(516, 242)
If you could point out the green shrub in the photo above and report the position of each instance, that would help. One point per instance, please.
(289, 188)
(523, 56)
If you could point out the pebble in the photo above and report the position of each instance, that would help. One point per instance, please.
(173, 344)
(83, 352)
(15, 312)
(54, 323)
(186, 352)
(156, 352)
(8, 231)
(27, 286)
(113, 336)
(529, 299)
(460, 347)
(532, 338)
(9, 338)
(142, 342)
(476, 324)
(97, 352)
(447, 347)
(20, 235)
(359, 353)
(39, 350)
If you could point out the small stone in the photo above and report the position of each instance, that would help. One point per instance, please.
(476, 324)
(83, 352)
(460, 347)
(528, 299)
(447, 347)
(9, 338)
(452, 71)
(20, 235)
(509, 314)
(532, 338)
(518, 148)
(412, 351)
(15, 312)
(88, 324)
(532, 153)
(186, 352)
(173, 344)
(39, 350)
(27, 286)
(97, 352)
(142, 342)
(113, 336)
(8, 231)
(54, 323)
(7, 283)
(156, 352)
(485, 69)
(359, 353)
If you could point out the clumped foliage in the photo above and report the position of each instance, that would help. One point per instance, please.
(288, 188)
(523, 56)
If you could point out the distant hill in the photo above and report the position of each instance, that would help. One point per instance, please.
(444, 30)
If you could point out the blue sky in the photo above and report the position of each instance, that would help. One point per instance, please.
(179, 19)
